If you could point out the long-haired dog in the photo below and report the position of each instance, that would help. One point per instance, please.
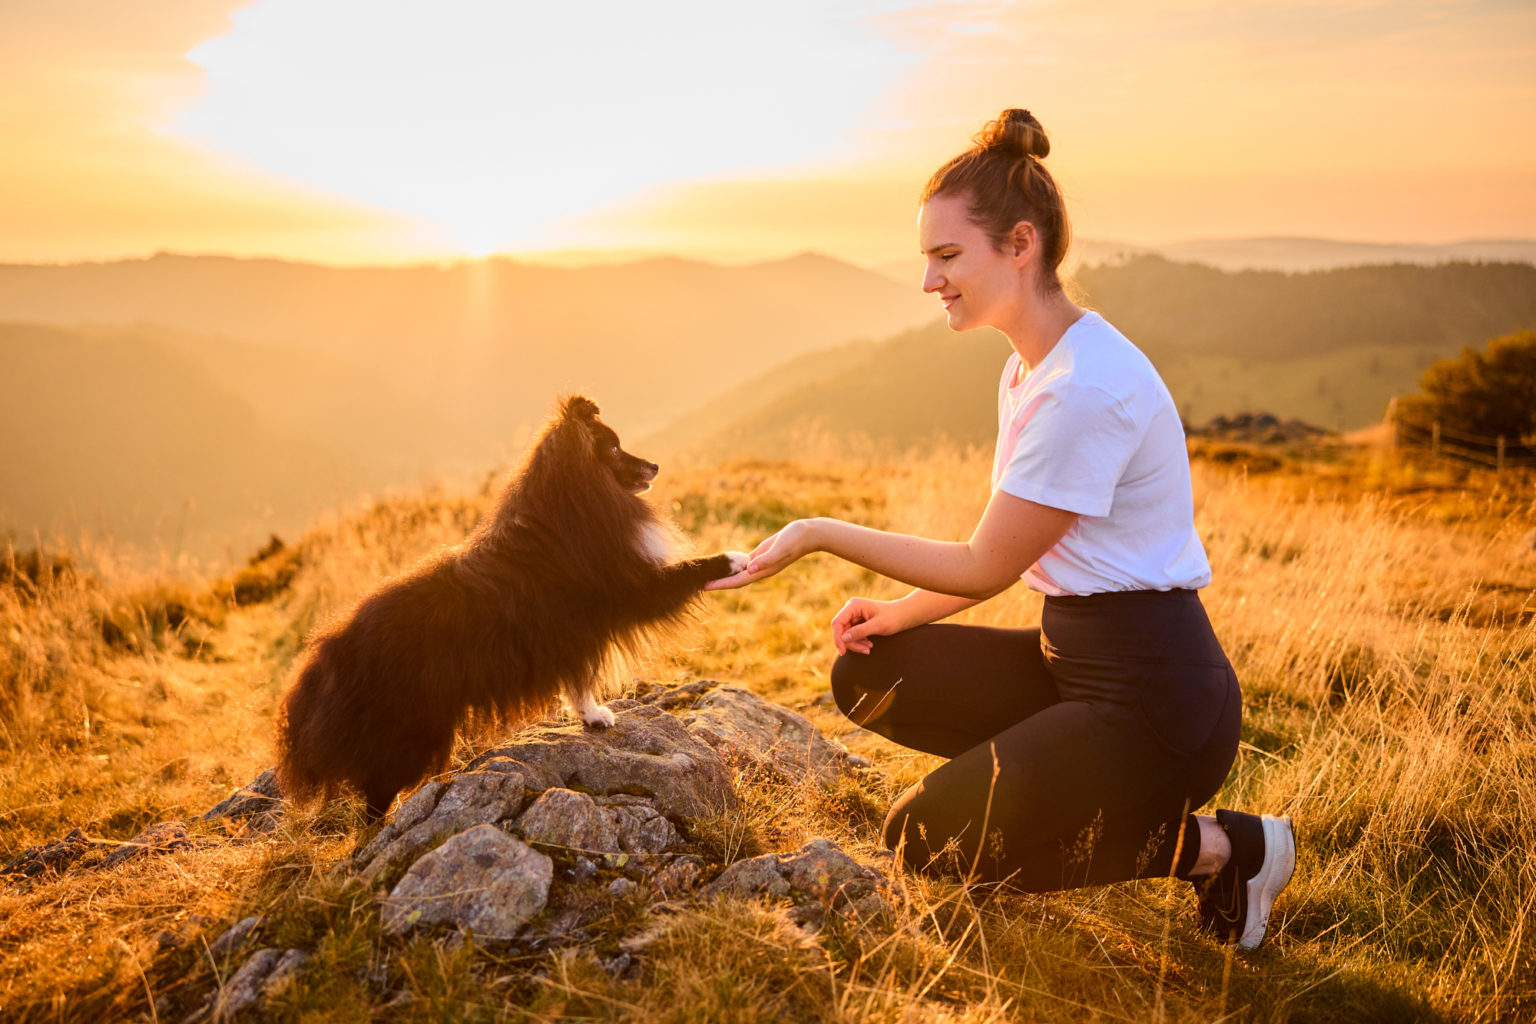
(570, 564)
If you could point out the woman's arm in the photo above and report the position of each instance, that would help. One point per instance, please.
(1012, 535)
(864, 617)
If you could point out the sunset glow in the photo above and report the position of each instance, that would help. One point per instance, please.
(377, 132)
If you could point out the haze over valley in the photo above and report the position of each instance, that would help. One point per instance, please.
(194, 404)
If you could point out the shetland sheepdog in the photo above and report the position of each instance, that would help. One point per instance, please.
(571, 565)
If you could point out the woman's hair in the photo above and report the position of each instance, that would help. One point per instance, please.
(1004, 182)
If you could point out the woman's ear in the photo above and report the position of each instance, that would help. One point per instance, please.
(1023, 243)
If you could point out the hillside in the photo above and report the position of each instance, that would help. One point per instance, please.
(494, 340)
(387, 376)
(1377, 614)
(1329, 347)
(117, 433)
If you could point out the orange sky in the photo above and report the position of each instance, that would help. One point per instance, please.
(380, 130)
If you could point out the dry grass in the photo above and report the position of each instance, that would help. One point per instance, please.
(1380, 616)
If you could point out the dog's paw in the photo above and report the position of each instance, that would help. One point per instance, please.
(597, 717)
(736, 561)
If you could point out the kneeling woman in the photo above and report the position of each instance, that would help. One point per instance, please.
(1077, 751)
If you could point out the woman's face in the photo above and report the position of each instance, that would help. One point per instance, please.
(979, 285)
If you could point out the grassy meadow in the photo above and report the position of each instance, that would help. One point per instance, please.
(1380, 613)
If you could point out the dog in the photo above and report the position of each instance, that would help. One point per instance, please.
(570, 567)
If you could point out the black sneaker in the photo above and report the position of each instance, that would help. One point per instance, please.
(1235, 901)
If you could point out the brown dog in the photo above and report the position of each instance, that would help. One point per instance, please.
(571, 562)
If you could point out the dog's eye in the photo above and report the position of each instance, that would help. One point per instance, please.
(614, 450)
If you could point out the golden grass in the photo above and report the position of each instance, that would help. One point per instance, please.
(1380, 616)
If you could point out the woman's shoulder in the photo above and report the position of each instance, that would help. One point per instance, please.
(1104, 357)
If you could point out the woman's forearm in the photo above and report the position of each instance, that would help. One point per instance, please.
(944, 567)
(924, 606)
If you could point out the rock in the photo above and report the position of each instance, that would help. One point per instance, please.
(640, 827)
(267, 973)
(569, 820)
(56, 857)
(235, 936)
(819, 872)
(438, 810)
(645, 753)
(741, 725)
(678, 876)
(257, 797)
(620, 887)
(481, 880)
(161, 838)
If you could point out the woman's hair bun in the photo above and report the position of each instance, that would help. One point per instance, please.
(1017, 131)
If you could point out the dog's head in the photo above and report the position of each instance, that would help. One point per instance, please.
(578, 419)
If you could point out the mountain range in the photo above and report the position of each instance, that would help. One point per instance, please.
(196, 403)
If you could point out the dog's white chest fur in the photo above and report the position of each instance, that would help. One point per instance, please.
(654, 543)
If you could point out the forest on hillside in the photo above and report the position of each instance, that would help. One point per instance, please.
(1329, 347)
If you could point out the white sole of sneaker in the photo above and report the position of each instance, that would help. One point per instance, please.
(1273, 876)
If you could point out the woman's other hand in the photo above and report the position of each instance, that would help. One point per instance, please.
(862, 618)
(778, 552)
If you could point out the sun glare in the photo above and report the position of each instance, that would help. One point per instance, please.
(499, 120)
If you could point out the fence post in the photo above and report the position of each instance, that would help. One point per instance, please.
(1501, 453)
(1434, 439)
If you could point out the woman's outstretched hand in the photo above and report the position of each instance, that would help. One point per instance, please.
(862, 618)
(791, 543)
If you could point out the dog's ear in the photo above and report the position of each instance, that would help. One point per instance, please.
(578, 407)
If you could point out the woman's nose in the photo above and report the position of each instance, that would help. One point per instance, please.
(932, 280)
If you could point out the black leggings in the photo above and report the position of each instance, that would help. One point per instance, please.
(1077, 750)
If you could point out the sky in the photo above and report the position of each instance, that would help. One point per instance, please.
(385, 131)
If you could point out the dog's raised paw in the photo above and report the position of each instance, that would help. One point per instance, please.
(738, 560)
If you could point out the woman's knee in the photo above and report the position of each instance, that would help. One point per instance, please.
(919, 833)
(852, 686)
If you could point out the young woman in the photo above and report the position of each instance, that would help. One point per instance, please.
(1077, 751)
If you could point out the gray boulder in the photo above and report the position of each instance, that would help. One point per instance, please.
(818, 873)
(481, 880)
(640, 827)
(605, 825)
(438, 810)
(645, 753)
(573, 821)
(744, 727)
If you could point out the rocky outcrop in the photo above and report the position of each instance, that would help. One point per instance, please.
(541, 841)
(645, 753)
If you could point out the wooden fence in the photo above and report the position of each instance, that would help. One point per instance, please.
(1440, 440)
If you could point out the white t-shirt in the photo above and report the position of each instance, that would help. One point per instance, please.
(1093, 430)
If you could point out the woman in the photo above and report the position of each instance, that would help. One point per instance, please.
(1077, 750)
